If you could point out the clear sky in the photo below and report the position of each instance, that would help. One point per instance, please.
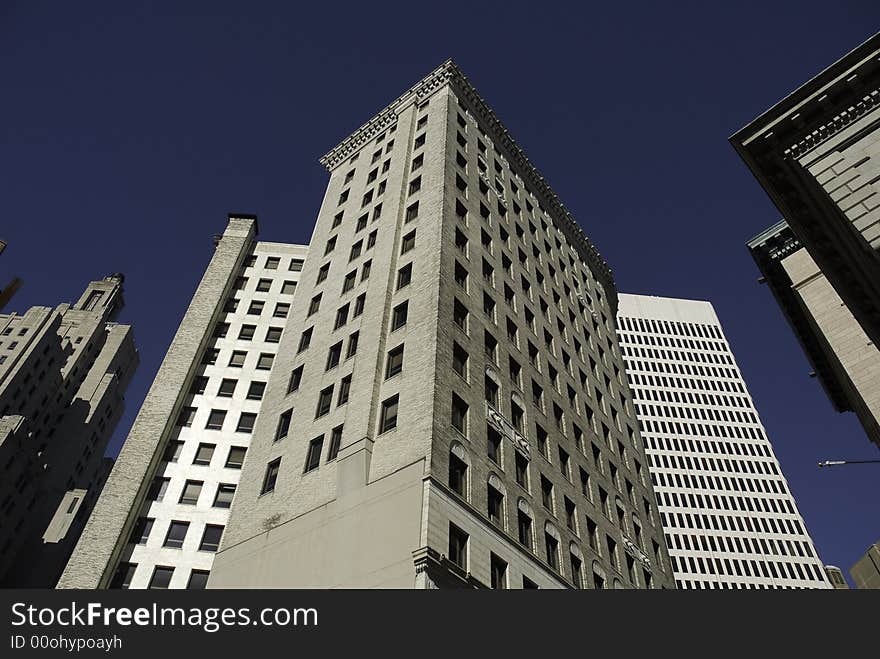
(129, 130)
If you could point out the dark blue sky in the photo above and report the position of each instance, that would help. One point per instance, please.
(129, 132)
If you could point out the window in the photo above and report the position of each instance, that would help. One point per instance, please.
(322, 273)
(305, 339)
(528, 584)
(412, 212)
(123, 576)
(352, 345)
(334, 354)
(341, 317)
(295, 379)
(283, 424)
(522, 471)
(404, 276)
(335, 443)
(223, 498)
(199, 385)
(314, 305)
(271, 476)
(272, 262)
(371, 239)
(256, 308)
(459, 415)
(570, 514)
(191, 492)
(256, 390)
(461, 275)
(365, 270)
(186, 417)
(236, 360)
(141, 531)
(460, 314)
(498, 570)
(176, 535)
(227, 388)
(552, 546)
(210, 356)
(330, 246)
(288, 288)
(246, 422)
(273, 335)
(359, 303)
(399, 315)
(524, 529)
(349, 282)
(296, 265)
(325, 398)
(394, 363)
(458, 541)
(161, 578)
(264, 285)
(495, 501)
(215, 420)
(204, 454)
(313, 455)
(198, 580)
(388, 416)
(459, 360)
(458, 475)
(408, 243)
(576, 577)
(211, 538)
(236, 457)
(264, 363)
(158, 488)
(547, 493)
(344, 390)
(492, 391)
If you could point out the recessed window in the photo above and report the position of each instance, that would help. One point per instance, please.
(404, 276)
(394, 362)
(186, 417)
(220, 330)
(211, 538)
(388, 415)
(246, 422)
(158, 488)
(344, 390)
(408, 243)
(547, 493)
(283, 425)
(552, 547)
(176, 535)
(272, 262)
(459, 360)
(313, 455)
(295, 379)
(204, 453)
(225, 493)
(273, 335)
(576, 572)
(341, 317)
(330, 246)
(141, 531)
(264, 363)
(412, 212)
(191, 492)
(199, 384)
(365, 270)
(522, 471)
(236, 360)
(215, 420)
(356, 250)
(495, 502)
(461, 275)
(271, 476)
(322, 273)
(460, 314)
(315, 304)
(458, 541)
(227, 388)
(325, 398)
(256, 390)
(459, 414)
(399, 315)
(281, 310)
(349, 281)
(334, 354)
(264, 285)
(335, 443)
(236, 457)
(458, 475)
(256, 308)
(493, 445)
(524, 529)
(198, 580)
(351, 351)
(161, 578)
(210, 356)
(296, 265)
(305, 339)
(359, 303)
(498, 572)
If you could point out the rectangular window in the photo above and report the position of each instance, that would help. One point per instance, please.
(295, 379)
(335, 443)
(399, 315)
(271, 476)
(349, 282)
(498, 569)
(341, 317)
(359, 303)
(495, 501)
(246, 422)
(313, 456)
(344, 390)
(236, 457)
(236, 360)
(223, 498)
(296, 265)
(325, 398)
(524, 529)
(227, 388)
(305, 339)
(172, 450)
(211, 538)
(459, 360)
(264, 285)
(161, 578)
(256, 308)
(176, 535)
(273, 335)
(315, 305)
(141, 531)
(493, 445)
(123, 576)
(186, 417)
(388, 416)
(394, 362)
(288, 288)
(552, 546)
(412, 212)
(215, 420)
(352, 345)
(199, 385)
(283, 427)
(190, 494)
(204, 453)
(458, 541)
(256, 390)
(264, 363)
(522, 471)
(334, 354)
(408, 243)
(404, 276)
(458, 475)
(459, 414)
(198, 580)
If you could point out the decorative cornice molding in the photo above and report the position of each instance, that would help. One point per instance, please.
(834, 125)
(450, 73)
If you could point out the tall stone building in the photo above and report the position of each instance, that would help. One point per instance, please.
(842, 356)
(729, 516)
(63, 375)
(817, 154)
(448, 406)
(167, 501)
(866, 571)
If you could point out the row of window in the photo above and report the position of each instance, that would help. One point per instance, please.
(160, 577)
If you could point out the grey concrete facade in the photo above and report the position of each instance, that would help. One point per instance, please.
(162, 513)
(466, 421)
(728, 513)
(866, 571)
(63, 375)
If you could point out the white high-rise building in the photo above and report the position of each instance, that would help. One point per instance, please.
(728, 515)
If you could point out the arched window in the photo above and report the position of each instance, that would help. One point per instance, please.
(495, 496)
(459, 462)
(524, 519)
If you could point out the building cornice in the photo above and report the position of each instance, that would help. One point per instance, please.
(449, 73)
